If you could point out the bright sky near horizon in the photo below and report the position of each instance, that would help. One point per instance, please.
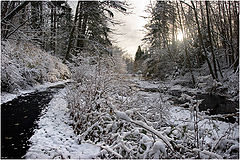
(132, 30)
(128, 35)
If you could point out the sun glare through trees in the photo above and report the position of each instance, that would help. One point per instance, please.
(179, 36)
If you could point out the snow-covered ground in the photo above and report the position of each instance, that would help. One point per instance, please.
(55, 138)
(214, 135)
(24, 64)
(5, 97)
(179, 115)
(182, 116)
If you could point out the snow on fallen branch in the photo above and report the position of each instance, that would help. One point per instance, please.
(152, 130)
(107, 148)
(124, 116)
(208, 153)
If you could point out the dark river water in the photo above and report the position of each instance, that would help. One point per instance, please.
(18, 121)
(215, 104)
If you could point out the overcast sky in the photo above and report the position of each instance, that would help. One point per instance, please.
(128, 35)
(132, 29)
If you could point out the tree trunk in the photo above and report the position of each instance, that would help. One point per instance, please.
(210, 40)
(34, 15)
(174, 50)
(67, 55)
(202, 14)
(55, 28)
(226, 29)
(83, 32)
(83, 27)
(201, 41)
(52, 39)
(15, 11)
(230, 29)
(80, 22)
(185, 46)
(8, 16)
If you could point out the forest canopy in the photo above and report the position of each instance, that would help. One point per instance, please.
(188, 34)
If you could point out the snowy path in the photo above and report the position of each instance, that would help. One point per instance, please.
(18, 121)
(55, 137)
(19, 113)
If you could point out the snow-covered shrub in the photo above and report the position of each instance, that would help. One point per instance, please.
(199, 135)
(126, 123)
(107, 112)
(23, 65)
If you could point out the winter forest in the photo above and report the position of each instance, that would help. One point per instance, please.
(69, 90)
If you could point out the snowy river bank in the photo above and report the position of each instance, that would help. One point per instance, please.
(53, 136)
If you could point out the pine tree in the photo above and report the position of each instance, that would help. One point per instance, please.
(90, 30)
(138, 54)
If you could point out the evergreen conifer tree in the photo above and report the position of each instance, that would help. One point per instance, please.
(139, 53)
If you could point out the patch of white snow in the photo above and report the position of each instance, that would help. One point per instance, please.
(55, 137)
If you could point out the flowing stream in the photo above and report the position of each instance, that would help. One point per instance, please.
(215, 104)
